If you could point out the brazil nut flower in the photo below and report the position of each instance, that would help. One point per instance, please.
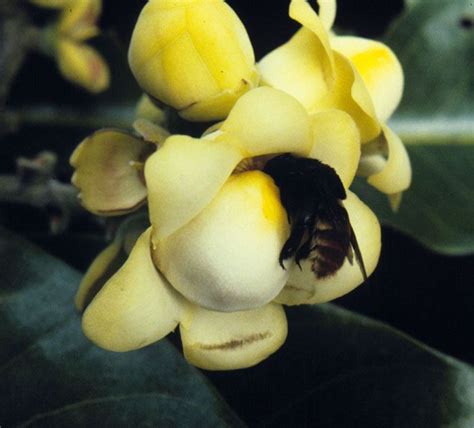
(217, 260)
(194, 55)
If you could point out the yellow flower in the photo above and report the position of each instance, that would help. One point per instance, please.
(77, 62)
(210, 262)
(359, 76)
(194, 55)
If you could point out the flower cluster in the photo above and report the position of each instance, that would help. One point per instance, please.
(78, 62)
(256, 213)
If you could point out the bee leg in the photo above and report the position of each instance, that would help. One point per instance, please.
(293, 242)
(358, 254)
(303, 252)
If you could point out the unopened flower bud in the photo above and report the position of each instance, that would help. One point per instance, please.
(82, 65)
(79, 19)
(194, 55)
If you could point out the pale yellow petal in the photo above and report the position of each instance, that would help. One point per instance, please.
(101, 269)
(266, 121)
(327, 12)
(135, 307)
(336, 142)
(350, 95)
(379, 68)
(183, 176)
(395, 177)
(226, 258)
(304, 288)
(302, 12)
(82, 65)
(108, 172)
(296, 68)
(233, 340)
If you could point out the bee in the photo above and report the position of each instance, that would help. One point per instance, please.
(312, 194)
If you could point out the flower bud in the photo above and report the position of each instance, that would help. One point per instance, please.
(194, 55)
(78, 20)
(82, 65)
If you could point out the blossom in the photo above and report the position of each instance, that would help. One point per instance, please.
(360, 76)
(78, 62)
(194, 55)
(224, 252)
(209, 261)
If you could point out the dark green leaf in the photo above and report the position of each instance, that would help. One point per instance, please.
(438, 209)
(436, 121)
(339, 369)
(53, 376)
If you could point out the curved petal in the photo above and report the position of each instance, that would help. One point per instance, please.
(135, 307)
(296, 68)
(302, 12)
(395, 177)
(379, 68)
(336, 142)
(101, 269)
(183, 176)
(304, 288)
(265, 121)
(226, 258)
(350, 95)
(327, 12)
(82, 65)
(233, 340)
(106, 172)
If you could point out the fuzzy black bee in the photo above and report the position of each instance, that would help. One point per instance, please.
(311, 193)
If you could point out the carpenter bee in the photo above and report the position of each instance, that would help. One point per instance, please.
(311, 193)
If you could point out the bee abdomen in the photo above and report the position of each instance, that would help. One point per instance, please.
(329, 251)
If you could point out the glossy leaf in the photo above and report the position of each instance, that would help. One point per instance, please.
(340, 369)
(438, 209)
(53, 376)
